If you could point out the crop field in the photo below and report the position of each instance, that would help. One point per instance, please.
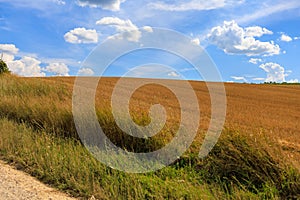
(269, 112)
(256, 157)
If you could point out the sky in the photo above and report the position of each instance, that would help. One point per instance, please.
(249, 41)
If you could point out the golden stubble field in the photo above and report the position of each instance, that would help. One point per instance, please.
(263, 112)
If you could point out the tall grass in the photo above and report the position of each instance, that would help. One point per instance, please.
(41, 104)
(238, 160)
(38, 135)
(67, 165)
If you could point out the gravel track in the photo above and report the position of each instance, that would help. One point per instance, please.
(17, 185)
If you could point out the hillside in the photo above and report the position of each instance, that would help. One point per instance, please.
(264, 110)
(257, 156)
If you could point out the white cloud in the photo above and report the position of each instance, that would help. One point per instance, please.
(233, 39)
(256, 31)
(8, 52)
(59, 69)
(293, 81)
(113, 5)
(195, 41)
(275, 72)
(239, 78)
(85, 72)
(59, 2)
(153, 71)
(192, 5)
(26, 66)
(46, 6)
(173, 74)
(148, 29)
(286, 38)
(81, 35)
(296, 38)
(255, 60)
(125, 28)
(268, 9)
(9, 48)
(187, 69)
(258, 79)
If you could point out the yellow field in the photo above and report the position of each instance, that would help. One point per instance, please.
(271, 112)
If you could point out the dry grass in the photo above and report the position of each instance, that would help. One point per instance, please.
(262, 112)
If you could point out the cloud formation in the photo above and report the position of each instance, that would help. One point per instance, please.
(286, 38)
(173, 74)
(191, 5)
(269, 9)
(255, 60)
(293, 81)
(125, 28)
(8, 51)
(59, 2)
(58, 69)
(275, 72)
(26, 66)
(113, 5)
(81, 36)
(196, 41)
(30, 66)
(239, 78)
(233, 39)
(85, 72)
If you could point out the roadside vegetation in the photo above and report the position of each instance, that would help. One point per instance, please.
(38, 136)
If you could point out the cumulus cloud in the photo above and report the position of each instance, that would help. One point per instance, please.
(86, 72)
(239, 78)
(257, 31)
(195, 41)
(29, 66)
(286, 38)
(275, 72)
(233, 39)
(8, 51)
(113, 5)
(148, 29)
(81, 35)
(192, 5)
(26, 66)
(173, 74)
(58, 69)
(255, 60)
(293, 81)
(125, 28)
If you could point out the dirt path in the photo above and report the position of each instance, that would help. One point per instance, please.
(16, 185)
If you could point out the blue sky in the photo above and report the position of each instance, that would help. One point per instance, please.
(249, 41)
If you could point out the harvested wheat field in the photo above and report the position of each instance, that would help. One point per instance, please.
(261, 111)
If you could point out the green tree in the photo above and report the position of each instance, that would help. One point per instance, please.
(3, 67)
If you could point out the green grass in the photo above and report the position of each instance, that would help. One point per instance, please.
(38, 136)
(66, 164)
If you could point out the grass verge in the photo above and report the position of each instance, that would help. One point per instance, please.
(66, 165)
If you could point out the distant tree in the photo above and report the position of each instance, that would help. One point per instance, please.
(3, 67)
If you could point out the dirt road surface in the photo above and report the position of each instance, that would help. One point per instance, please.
(17, 185)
